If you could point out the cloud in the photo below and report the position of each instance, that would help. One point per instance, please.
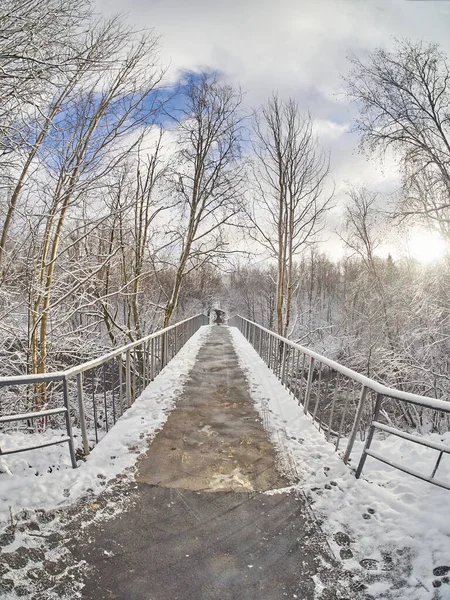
(298, 47)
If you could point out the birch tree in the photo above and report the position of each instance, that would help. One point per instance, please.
(96, 121)
(91, 55)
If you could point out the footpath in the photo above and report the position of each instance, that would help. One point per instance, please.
(209, 518)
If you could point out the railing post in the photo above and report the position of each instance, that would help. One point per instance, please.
(152, 360)
(356, 422)
(333, 404)
(376, 414)
(269, 362)
(69, 425)
(283, 364)
(82, 413)
(309, 384)
(120, 383)
(128, 378)
(166, 348)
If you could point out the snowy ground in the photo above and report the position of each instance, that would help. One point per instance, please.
(44, 479)
(388, 525)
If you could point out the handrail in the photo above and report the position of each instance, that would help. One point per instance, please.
(380, 388)
(285, 364)
(134, 365)
(90, 364)
(32, 415)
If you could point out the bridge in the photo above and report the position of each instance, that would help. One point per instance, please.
(217, 511)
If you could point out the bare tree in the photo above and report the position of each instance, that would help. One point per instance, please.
(207, 177)
(404, 98)
(90, 143)
(92, 54)
(363, 235)
(38, 45)
(290, 174)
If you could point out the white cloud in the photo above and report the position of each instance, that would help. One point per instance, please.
(298, 47)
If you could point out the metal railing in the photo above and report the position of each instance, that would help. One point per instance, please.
(339, 400)
(103, 387)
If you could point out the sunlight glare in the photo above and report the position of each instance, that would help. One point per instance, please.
(426, 246)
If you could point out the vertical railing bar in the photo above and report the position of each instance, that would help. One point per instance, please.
(104, 399)
(302, 379)
(134, 393)
(272, 341)
(441, 453)
(82, 413)
(336, 389)
(297, 379)
(322, 404)
(319, 385)
(344, 413)
(152, 360)
(165, 349)
(113, 385)
(309, 384)
(266, 347)
(290, 368)
(94, 406)
(128, 378)
(333, 404)
(356, 422)
(283, 364)
(69, 423)
(144, 366)
(120, 383)
(362, 460)
(158, 357)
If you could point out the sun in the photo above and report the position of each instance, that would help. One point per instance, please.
(426, 246)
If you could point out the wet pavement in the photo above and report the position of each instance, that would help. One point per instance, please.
(202, 525)
(214, 440)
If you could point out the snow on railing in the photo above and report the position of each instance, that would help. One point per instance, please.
(339, 400)
(104, 387)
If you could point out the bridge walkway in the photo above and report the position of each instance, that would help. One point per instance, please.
(210, 519)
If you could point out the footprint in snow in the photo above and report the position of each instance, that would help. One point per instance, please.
(345, 553)
(341, 538)
(440, 571)
(370, 564)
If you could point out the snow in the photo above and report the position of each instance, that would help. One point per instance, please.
(45, 479)
(398, 525)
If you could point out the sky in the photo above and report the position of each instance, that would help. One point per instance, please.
(299, 48)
